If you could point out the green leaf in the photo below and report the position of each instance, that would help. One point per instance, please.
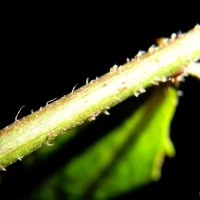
(125, 159)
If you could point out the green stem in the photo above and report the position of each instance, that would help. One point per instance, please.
(86, 103)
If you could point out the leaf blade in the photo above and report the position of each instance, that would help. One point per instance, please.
(127, 158)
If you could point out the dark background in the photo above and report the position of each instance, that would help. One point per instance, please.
(44, 53)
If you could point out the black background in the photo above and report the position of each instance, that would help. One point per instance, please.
(44, 53)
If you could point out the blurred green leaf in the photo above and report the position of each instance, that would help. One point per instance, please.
(125, 159)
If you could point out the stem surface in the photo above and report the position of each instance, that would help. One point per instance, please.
(159, 64)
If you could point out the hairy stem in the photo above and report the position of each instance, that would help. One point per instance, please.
(86, 103)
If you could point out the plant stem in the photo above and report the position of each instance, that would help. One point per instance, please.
(194, 69)
(159, 64)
